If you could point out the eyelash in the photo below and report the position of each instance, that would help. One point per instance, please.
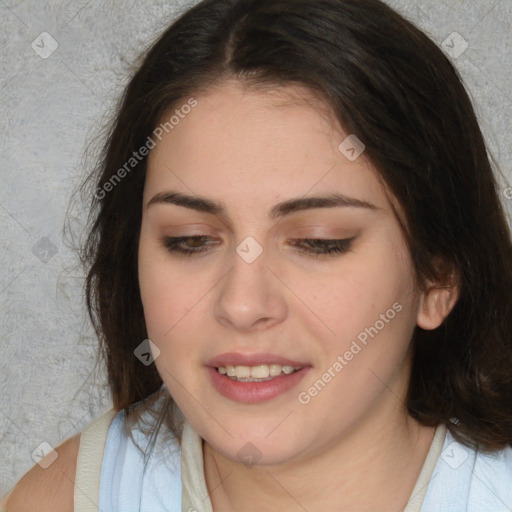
(330, 247)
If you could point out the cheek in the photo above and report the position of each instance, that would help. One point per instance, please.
(352, 293)
(169, 305)
(158, 293)
(174, 303)
(165, 293)
(372, 311)
(168, 302)
(369, 306)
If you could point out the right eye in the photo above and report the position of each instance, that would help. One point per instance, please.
(176, 244)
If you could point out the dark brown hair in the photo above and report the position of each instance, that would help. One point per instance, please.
(389, 84)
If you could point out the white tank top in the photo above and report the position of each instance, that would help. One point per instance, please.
(110, 472)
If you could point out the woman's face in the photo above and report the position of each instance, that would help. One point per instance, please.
(259, 298)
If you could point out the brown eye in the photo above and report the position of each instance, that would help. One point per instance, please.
(319, 246)
(186, 245)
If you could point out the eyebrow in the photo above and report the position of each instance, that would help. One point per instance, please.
(203, 204)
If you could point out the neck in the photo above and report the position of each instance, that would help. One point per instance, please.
(367, 468)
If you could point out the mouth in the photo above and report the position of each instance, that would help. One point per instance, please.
(258, 373)
(255, 378)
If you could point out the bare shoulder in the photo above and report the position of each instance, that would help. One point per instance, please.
(50, 489)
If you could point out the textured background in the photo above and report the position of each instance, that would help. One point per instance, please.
(51, 107)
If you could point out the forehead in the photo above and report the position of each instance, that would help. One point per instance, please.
(254, 146)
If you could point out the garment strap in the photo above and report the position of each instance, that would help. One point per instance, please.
(420, 489)
(194, 495)
(90, 457)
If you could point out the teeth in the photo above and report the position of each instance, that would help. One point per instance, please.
(275, 369)
(256, 373)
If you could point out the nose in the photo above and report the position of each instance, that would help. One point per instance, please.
(250, 297)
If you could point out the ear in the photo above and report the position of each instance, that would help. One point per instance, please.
(437, 302)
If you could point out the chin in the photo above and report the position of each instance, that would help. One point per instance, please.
(252, 445)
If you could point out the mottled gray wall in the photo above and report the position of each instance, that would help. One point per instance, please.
(62, 64)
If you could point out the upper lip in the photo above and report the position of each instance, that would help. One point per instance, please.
(234, 359)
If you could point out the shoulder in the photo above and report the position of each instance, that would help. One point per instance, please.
(470, 480)
(50, 489)
(492, 482)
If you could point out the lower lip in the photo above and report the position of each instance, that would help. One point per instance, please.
(255, 392)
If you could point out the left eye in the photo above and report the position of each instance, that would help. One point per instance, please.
(319, 246)
(188, 245)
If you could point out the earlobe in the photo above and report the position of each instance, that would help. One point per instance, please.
(435, 305)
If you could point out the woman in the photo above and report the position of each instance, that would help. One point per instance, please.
(299, 270)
